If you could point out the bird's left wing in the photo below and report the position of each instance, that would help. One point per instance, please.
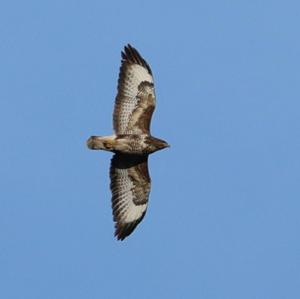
(130, 186)
(135, 101)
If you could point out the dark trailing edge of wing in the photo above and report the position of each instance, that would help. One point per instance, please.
(132, 56)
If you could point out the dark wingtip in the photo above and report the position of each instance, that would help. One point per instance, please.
(132, 56)
(123, 230)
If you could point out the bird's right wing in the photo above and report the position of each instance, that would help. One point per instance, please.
(130, 186)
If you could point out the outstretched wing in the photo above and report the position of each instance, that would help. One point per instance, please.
(135, 101)
(130, 186)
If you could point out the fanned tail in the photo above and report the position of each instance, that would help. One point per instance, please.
(106, 143)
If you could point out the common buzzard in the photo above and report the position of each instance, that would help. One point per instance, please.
(132, 142)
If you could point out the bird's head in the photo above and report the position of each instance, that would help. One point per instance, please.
(157, 144)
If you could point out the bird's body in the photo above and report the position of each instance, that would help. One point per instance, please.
(131, 143)
(143, 144)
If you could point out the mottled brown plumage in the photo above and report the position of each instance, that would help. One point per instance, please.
(132, 142)
(129, 179)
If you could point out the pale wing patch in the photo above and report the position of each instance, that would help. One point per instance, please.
(130, 186)
(134, 70)
(123, 196)
(133, 77)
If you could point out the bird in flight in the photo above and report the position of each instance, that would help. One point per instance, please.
(131, 142)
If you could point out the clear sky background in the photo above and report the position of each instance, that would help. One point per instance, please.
(223, 220)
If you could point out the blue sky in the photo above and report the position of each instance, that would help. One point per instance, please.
(223, 220)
